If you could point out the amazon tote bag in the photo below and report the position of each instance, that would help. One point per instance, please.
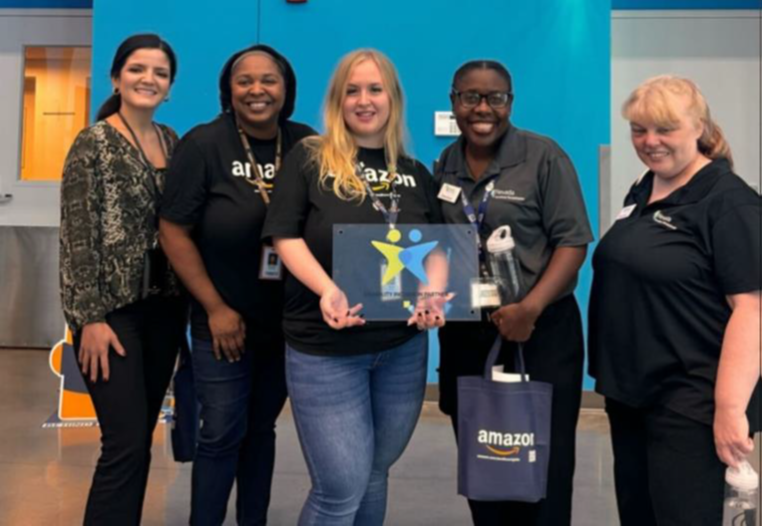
(503, 435)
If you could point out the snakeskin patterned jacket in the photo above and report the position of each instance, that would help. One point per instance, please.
(109, 202)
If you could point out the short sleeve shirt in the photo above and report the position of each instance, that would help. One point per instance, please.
(536, 192)
(658, 307)
(302, 207)
(209, 188)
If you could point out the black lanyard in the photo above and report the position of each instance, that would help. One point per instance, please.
(390, 215)
(152, 170)
(259, 182)
(143, 156)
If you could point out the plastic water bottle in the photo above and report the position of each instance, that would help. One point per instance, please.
(741, 496)
(504, 265)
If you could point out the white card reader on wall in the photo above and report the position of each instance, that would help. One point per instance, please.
(444, 124)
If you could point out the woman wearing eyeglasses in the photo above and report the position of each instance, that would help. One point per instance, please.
(212, 215)
(517, 178)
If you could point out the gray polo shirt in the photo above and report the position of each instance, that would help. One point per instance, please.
(536, 193)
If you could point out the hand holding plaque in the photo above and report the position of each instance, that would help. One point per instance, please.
(429, 311)
(399, 274)
(336, 311)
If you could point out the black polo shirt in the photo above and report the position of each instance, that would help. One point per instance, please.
(536, 192)
(209, 187)
(302, 208)
(658, 307)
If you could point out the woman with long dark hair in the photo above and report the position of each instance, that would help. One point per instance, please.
(120, 299)
(212, 215)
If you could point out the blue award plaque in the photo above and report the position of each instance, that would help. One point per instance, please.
(390, 271)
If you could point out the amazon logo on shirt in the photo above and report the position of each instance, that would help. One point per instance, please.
(381, 181)
(240, 169)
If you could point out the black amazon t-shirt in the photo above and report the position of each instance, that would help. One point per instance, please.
(209, 187)
(302, 208)
(658, 307)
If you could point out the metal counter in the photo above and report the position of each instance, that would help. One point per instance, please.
(30, 303)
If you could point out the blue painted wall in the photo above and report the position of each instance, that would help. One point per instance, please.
(46, 4)
(557, 51)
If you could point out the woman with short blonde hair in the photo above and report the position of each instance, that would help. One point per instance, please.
(675, 314)
(657, 100)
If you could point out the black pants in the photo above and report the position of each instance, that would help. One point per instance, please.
(128, 405)
(554, 354)
(666, 470)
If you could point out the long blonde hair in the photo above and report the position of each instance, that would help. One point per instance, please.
(655, 101)
(335, 152)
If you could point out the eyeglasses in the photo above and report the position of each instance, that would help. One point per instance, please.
(497, 100)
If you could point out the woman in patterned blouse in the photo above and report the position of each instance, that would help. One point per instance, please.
(119, 297)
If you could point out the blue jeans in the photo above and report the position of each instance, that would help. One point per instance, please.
(355, 416)
(240, 402)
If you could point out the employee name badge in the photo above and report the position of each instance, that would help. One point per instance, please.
(449, 193)
(484, 293)
(626, 212)
(392, 290)
(499, 375)
(270, 267)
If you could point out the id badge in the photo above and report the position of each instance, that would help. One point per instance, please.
(484, 293)
(449, 193)
(270, 268)
(625, 212)
(499, 375)
(391, 291)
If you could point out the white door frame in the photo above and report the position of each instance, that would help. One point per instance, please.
(29, 203)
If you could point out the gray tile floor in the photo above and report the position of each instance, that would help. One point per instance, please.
(45, 473)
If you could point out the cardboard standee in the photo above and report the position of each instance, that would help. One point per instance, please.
(75, 407)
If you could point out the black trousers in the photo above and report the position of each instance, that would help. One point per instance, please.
(666, 470)
(128, 405)
(554, 354)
